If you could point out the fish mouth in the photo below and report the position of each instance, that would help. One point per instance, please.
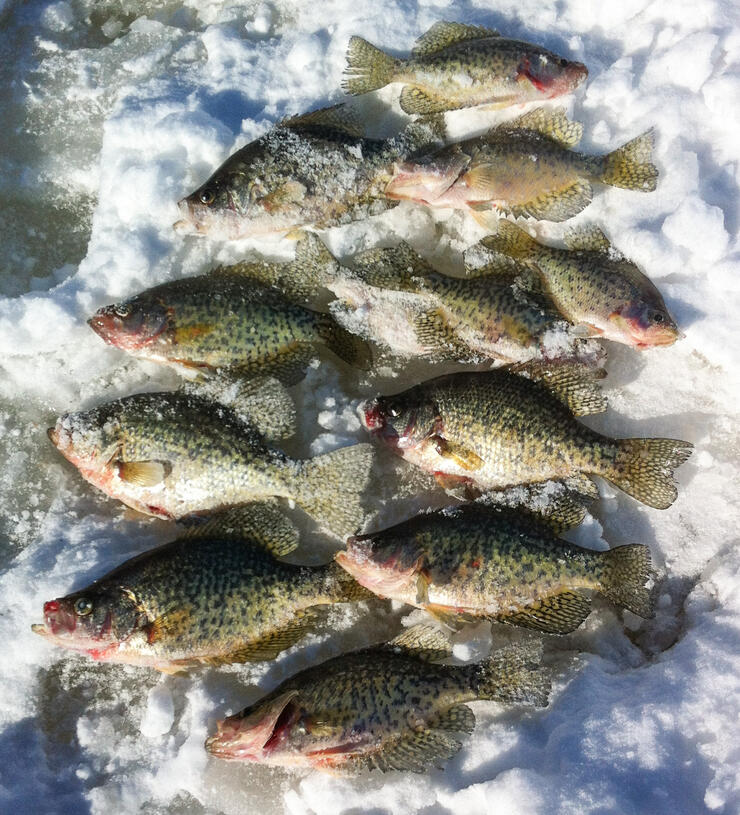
(386, 572)
(371, 416)
(58, 620)
(254, 736)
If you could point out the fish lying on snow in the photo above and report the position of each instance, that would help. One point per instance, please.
(171, 454)
(213, 596)
(225, 320)
(317, 169)
(455, 65)
(496, 429)
(388, 707)
(590, 283)
(505, 565)
(523, 167)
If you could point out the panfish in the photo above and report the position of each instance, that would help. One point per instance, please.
(474, 562)
(590, 283)
(456, 66)
(215, 595)
(496, 429)
(388, 708)
(172, 454)
(523, 168)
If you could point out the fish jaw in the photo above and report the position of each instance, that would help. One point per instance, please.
(62, 627)
(229, 224)
(631, 329)
(384, 575)
(129, 335)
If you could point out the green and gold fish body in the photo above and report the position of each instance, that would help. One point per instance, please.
(386, 708)
(475, 562)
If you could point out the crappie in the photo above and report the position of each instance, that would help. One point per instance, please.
(496, 429)
(509, 566)
(214, 596)
(591, 284)
(315, 169)
(225, 321)
(171, 454)
(386, 708)
(523, 168)
(456, 66)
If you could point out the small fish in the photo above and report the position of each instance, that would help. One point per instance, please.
(225, 321)
(315, 169)
(387, 708)
(496, 429)
(172, 454)
(475, 562)
(591, 284)
(456, 66)
(214, 596)
(523, 168)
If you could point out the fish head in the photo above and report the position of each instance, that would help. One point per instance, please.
(401, 421)
(643, 322)
(427, 178)
(549, 75)
(385, 564)
(132, 325)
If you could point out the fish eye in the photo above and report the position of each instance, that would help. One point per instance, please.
(562, 62)
(207, 196)
(122, 309)
(657, 317)
(394, 411)
(83, 606)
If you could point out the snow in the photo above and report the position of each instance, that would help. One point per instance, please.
(113, 111)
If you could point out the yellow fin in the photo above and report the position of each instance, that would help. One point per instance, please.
(480, 180)
(423, 641)
(574, 384)
(556, 205)
(558, 614)
(553, 124)
(588, 239)
(414, 99)
(433, 330)
(467, 459)
(443, 34)
(167, 625)
(143, 473)
(511, 240)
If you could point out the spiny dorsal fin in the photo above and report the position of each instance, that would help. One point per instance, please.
(511, 240)
(572, 383)
(563, 512)
(443, 34)
(549, 122)
(459, 719)
(422, 641)
(588, 239)
(337, 118)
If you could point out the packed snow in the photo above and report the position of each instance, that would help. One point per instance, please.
(112, 111)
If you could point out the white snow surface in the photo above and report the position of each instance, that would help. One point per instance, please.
(110, 112)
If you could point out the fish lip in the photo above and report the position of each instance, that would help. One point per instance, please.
(58, 619)
(53, 435)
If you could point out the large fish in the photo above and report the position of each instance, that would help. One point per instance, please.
(315, 169)
(523, 168)
(387, 708)
(455, 66)
(505, 565)
(591, 284)
(213, 596)
(496, 429)
(226, 321)
(171, 454)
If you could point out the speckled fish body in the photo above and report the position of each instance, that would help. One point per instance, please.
(456, 66)
(315, 169)
(497, 429)
(592, 285)
(171, 454)
(386, 708)
(475, 562)
(196, 600)
(523, 168)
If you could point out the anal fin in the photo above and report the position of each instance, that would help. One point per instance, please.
(433, 331)
(420, 100)
(558, 614)
(555, 205)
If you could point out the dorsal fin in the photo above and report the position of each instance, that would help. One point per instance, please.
(587, 238)
(572, 383)
(337, 119)
(391, 268)
(422, 641)
(443, 34)
(549, 122)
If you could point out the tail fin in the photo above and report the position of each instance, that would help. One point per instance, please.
(626, 571)
(513, 674)
(312, 269)
(368, 68)
(644, 469)
(511, 240)
(349, 347)
(630, 166)
(331, 488)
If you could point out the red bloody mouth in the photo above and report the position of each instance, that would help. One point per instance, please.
(372, 417)
(58, 619)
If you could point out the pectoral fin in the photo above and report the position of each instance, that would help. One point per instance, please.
(467, 459)
(143, 473)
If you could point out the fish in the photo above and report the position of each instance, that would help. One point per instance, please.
(523, 168)
(215, 595)
(316, 169)
(473, 562)
(517, 425)
(171, 454)
(417, 311)
(455, 66)
(388, 707)
(225, 322)
(590, 283)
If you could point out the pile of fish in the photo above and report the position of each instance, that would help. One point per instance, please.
(209, 454)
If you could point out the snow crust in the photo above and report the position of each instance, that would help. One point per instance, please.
(114, 110)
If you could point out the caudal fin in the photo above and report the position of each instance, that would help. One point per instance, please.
(513, 674)
(368, 68)
(644, 469)
(349, 347)
(331, 487)
(630, 166)
(627, 569)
